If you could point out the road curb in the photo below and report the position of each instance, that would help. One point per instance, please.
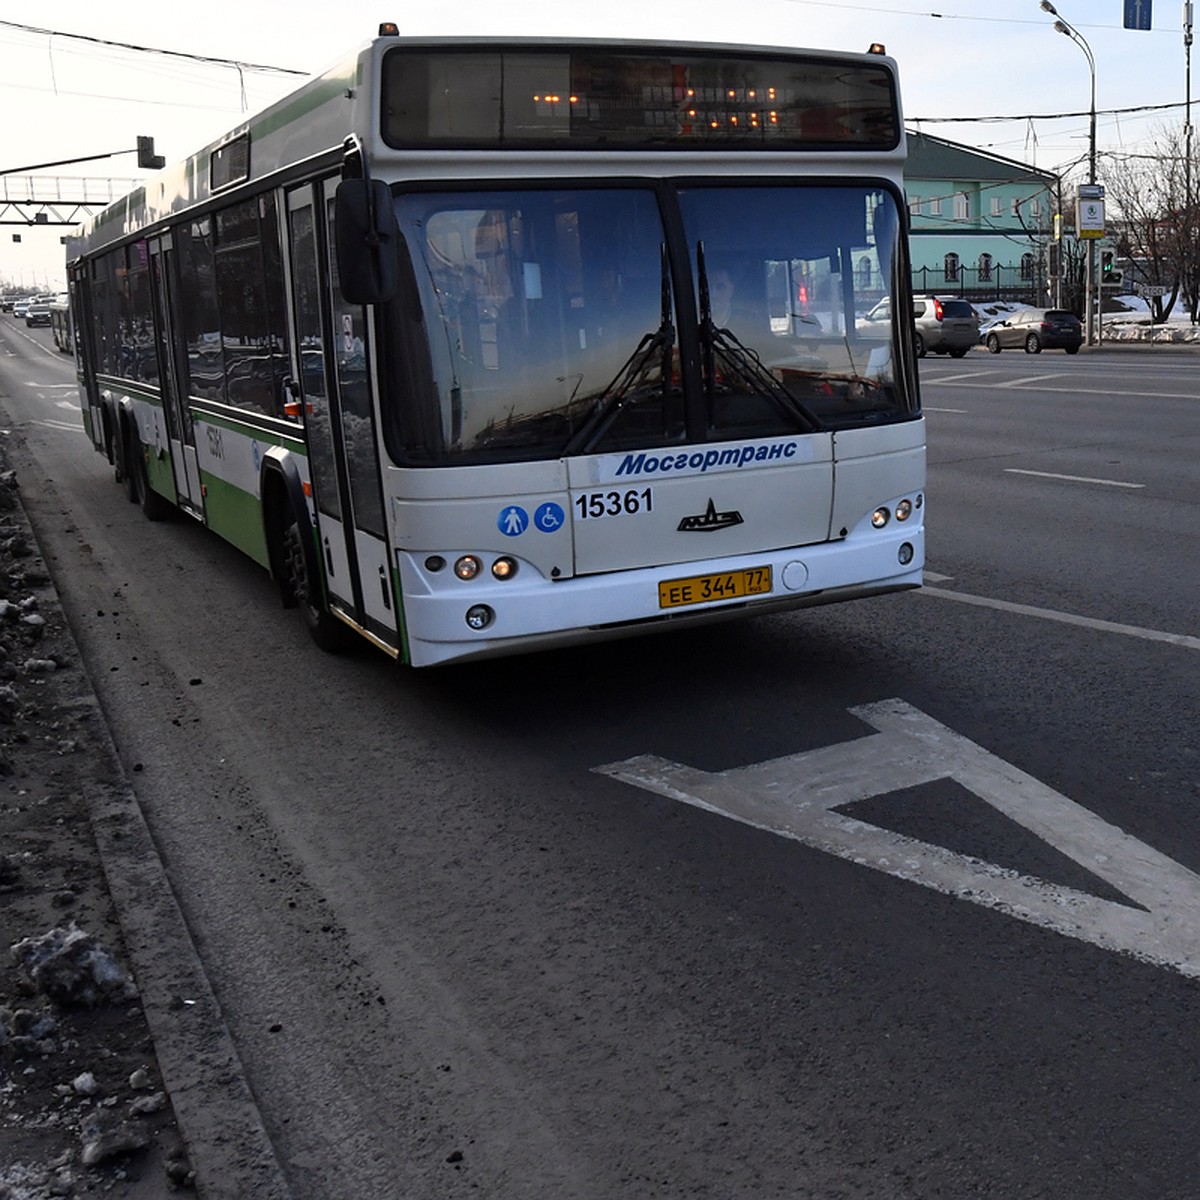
(218, 1117)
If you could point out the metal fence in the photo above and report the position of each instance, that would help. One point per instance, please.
(996, 283)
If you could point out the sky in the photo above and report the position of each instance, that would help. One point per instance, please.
(964, 64)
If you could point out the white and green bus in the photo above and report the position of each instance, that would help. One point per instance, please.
(60, 324)
(481, 346)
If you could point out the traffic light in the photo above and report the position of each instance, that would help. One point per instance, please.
(146, 156)
(1109, 276)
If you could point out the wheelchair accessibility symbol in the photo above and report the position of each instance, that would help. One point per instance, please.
(549, 517)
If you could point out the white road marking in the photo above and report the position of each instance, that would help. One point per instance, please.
(934, 577)
(1050, 614)
(1071, 387)
(1072, 478)
(795, 797)
(68, 426)
(927, 408)
(1017, 383)
(959, 378)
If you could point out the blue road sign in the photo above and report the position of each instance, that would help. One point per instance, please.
(1137, 14)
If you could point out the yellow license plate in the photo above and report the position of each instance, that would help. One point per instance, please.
(729, 585)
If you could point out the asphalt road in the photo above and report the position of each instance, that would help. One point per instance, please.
(893, 899)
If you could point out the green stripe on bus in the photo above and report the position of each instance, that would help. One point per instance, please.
(235, 515)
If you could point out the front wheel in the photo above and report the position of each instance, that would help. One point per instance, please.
(993, 344)
(1032, 344)
(920, 343)
(326, 630)
(959, 353)
(1071, 349)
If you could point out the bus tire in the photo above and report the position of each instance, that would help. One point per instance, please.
(154, 507)
(327, 631)
(112, 449)
(127, 446)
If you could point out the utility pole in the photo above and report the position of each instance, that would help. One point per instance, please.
(1069, 30)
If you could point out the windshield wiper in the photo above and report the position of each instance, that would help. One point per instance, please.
(741, 363)
(630, 383)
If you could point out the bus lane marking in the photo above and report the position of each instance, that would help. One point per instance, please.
(797, 796)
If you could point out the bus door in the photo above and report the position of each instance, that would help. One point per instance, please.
(330, 360)
(181, 433)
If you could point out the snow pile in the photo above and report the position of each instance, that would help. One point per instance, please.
(71, 967)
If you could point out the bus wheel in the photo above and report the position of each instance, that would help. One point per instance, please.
(153, 506)
(112, 451)
(326, 630)
(127, 473)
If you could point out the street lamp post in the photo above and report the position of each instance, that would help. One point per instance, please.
(1189, 220)
(1065, 27)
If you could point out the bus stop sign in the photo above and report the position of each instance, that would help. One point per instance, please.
(1137, 14)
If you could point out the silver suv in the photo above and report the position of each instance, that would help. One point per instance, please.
(944, 326)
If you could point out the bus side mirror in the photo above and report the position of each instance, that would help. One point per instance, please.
(366, 234)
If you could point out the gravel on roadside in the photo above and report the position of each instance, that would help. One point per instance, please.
(83, 1110)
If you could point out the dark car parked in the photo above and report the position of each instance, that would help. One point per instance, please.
(1034, 330)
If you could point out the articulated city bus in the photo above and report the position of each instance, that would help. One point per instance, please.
(481, 345)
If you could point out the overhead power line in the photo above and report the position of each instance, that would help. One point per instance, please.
(1058, 116)
(201, 58)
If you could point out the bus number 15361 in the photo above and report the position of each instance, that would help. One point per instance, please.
(614, 504)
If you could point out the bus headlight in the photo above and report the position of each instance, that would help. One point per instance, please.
(905, 554)
(479, 616)
(504, 568)
(880, 517)
(904, 510)
(467, 567)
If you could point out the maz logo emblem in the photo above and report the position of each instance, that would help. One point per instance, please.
(710, 520)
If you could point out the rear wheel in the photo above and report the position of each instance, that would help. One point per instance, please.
(153, 506)
(1071, 349)
(1033, 344)
(958, 353)
(327, 631)
(112, 452)
(920, 343)
(993, 344)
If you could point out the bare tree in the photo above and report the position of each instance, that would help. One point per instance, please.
(1149, 197)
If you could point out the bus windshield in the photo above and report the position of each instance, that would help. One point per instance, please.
(542, 322)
